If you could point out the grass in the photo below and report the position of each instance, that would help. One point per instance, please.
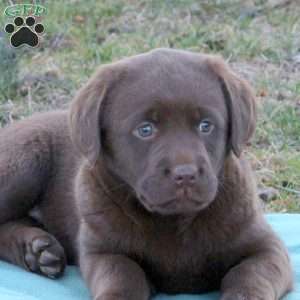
(259, 38)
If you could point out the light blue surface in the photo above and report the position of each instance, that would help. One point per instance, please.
(17, 284)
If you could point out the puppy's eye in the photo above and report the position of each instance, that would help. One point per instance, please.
(144, 131)
(205, 126)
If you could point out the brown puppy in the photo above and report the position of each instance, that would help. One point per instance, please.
(164, 197)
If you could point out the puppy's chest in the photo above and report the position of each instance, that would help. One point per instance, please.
(181, 263)
(175, 260)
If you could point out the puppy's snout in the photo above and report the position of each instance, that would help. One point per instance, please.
(185, 175)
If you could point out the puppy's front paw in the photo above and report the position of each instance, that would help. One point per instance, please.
(46, 256)
(241, 296)
(232, 296)
(114, 296)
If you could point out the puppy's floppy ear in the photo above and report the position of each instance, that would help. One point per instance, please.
(240, 101)
(85, 112)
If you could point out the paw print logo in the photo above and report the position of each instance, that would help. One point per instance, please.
(24, 33)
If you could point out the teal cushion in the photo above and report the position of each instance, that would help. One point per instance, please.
(17, 284)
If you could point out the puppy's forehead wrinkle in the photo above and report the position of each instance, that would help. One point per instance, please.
(179, 96)
(168, 112)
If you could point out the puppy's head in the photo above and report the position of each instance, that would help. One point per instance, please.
(163, 123)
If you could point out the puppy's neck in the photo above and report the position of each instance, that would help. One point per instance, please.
(111, 185)
(237, 190)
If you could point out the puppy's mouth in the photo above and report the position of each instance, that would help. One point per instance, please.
(182, 203)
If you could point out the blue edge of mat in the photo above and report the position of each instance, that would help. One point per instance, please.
(17, 284)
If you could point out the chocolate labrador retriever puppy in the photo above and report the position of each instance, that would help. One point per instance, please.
(150, 181)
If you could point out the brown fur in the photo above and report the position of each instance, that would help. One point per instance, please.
(172, 212)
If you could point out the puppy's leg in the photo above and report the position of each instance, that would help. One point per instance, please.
(266, 275)
(31, 248)
(114, 277)
(108, 276)
(25, 167)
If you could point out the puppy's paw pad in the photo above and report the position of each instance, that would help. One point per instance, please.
(40, 244)
(52, 272)
(46, 256)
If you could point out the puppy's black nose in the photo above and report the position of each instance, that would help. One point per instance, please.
(185, 174)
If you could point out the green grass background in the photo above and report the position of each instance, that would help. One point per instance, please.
(259, 38)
